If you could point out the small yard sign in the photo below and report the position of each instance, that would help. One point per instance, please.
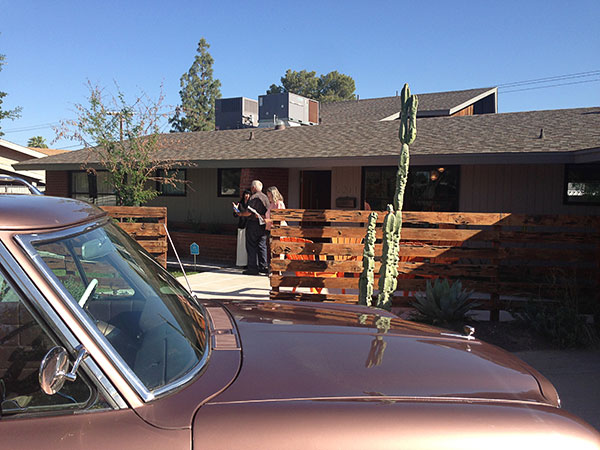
(194, 250)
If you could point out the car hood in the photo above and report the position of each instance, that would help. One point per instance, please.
(293, 350)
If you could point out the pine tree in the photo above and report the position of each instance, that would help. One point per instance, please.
(198, 94)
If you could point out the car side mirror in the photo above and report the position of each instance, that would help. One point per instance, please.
(54, 368)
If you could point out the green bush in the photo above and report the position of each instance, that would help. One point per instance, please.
(443, 304)
(560, 323)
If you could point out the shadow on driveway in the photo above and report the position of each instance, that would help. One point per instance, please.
(576, 376)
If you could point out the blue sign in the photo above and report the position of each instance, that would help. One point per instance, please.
(194, 249)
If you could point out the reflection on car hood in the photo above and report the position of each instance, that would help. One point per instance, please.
(296, 350)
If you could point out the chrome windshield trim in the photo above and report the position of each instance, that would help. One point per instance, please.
(54, 321)
(27, 240)
(193, 372)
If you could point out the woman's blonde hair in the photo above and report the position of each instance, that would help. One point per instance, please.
(275, 193)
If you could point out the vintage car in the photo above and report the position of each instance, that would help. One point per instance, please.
(103, 348)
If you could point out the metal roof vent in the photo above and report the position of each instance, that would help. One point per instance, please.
(280, 124)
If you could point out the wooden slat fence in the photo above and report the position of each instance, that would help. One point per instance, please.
(502, 257)
(146, 225)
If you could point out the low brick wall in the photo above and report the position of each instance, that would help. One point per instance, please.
(213, 247)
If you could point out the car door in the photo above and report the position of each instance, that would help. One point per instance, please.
(87, 413)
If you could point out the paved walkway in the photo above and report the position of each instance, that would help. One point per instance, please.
(227, 283)
(575, 374)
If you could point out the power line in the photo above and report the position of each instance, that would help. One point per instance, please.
(31, 127)
(551, 79)
(69, 146)
(551, 85)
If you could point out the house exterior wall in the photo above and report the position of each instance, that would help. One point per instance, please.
(268, 176)
(9, 157)
(468, 111)
(201, 203)
(57, 183)
(293, 199)
(346, 182)
(526, 188)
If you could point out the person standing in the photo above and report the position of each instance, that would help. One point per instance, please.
(275, 202)
(242, 206)
(256, 236)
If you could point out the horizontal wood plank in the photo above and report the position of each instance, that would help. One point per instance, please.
(147, 227)
(143, 229)
(314, 297)
(137, 212)
(446, 218)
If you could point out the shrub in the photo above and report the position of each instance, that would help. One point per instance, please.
(560, 323)
(443, 304)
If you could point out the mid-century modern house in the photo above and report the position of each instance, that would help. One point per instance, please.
(467, 157)
(11, 153)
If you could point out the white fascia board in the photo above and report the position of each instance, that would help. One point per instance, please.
(394, 116)
(476, 99)
(19, 148)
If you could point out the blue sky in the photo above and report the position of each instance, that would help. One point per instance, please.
(53, 48)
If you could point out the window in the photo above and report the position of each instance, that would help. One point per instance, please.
(429, 188)
(24, 344)
(93, 188)
(168, 189)
(229, 182)
(582, 184)
(144, 314)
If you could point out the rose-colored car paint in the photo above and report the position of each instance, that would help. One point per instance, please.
(297, 375)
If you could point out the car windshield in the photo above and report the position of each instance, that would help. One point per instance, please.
(144, 313)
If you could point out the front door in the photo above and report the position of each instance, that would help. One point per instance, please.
(315, 189)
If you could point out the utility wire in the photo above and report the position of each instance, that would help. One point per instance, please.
(551, 79)
(550, 85)
(31, 127)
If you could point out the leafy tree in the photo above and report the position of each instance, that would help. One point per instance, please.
(302, 83)
(124, 138)
(37, 142)
(198, 94)
(11, 114)
(331, 87)
(335, 87)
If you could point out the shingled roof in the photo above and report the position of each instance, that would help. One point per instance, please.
(509, 134)
(374, 109)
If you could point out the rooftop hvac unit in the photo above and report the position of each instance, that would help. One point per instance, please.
(235, 113)
(288, 107)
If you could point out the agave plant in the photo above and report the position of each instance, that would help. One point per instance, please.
(443, 303)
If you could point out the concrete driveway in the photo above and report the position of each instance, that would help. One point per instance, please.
(576, 376)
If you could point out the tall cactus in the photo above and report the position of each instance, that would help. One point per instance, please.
(367, 277)
(392, 224)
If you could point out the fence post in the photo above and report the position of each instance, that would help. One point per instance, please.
(495, 294)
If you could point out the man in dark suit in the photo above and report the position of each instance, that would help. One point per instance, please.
(256, 235)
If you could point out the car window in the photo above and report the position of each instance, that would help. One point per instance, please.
(145, 314)
(23, 345)
(75, 272)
